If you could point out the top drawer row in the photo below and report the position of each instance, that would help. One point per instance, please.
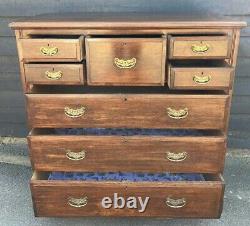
(72, 49)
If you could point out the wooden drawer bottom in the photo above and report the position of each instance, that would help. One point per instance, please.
(174, 199)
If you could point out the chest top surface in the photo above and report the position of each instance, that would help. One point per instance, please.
(125, 20)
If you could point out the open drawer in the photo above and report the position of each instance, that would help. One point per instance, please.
(184, 198)
(202, 75)
(200, 47)
(52, 49)
(131, 150)
(55, 74)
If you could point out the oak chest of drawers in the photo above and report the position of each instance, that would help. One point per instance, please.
(130, 95)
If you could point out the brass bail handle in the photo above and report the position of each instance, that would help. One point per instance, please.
(125, 63)
(53, 75)
(202, 79)
(175, 203)
(200, 48)
(75, 156)
(48, 50)
(177, 113)
(74, 112)
(78, 202)
(176, 157)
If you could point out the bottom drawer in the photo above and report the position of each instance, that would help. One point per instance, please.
(173, 199)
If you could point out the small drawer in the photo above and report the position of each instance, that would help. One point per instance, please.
(127, 111)
(199, 47)
(54, 74)
(96, 150)
(172, 199)
(52, 49)
(192, 77)
(126, 61)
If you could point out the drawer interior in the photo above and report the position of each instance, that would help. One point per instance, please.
(200, 63)
(124, 132)
(126, 177)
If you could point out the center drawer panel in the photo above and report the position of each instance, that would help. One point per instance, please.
(174, 199)
(127, 111)
(126, 61)
(79, 153)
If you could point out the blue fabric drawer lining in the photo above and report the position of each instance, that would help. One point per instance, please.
(125, 176)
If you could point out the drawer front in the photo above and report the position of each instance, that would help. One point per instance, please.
(200, 78)
(126, 61)
(198, 47)
(52, 49)
(52, 74)
(165, 199)
(134, 154)
(128, 111)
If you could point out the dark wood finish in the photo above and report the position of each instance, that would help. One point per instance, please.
(130, 111)
(180, 47)
(214, 39)
(71, 74)
(148, 56)
(68, 49)
(184, 77)
(203, 199)
(135, 154)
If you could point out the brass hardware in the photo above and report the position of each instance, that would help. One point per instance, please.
(74, 113)
(201, 48)
(202, 79)
(176, 157)
(176, 203)
(53, 75)
(78, 202)
(49, 51)
(177, 114)
(125, 64)
(75, 156)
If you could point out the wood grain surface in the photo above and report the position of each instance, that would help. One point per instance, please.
(129, 154)
(127, 110)
(203, 199)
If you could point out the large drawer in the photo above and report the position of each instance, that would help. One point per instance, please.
(52, 49)
(129, 111)
(126, 61)
(187, 152)
(190, 199)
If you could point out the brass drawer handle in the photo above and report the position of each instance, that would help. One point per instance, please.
(75, 156)
(125, 64)
(201, 48)
(177, 114)
(175, 203)
(74, 113)
(53, 75)
(176, 157)
(49, 51)
(78, 202)
(202, 79)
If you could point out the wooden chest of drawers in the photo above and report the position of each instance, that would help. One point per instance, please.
(141, 95)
